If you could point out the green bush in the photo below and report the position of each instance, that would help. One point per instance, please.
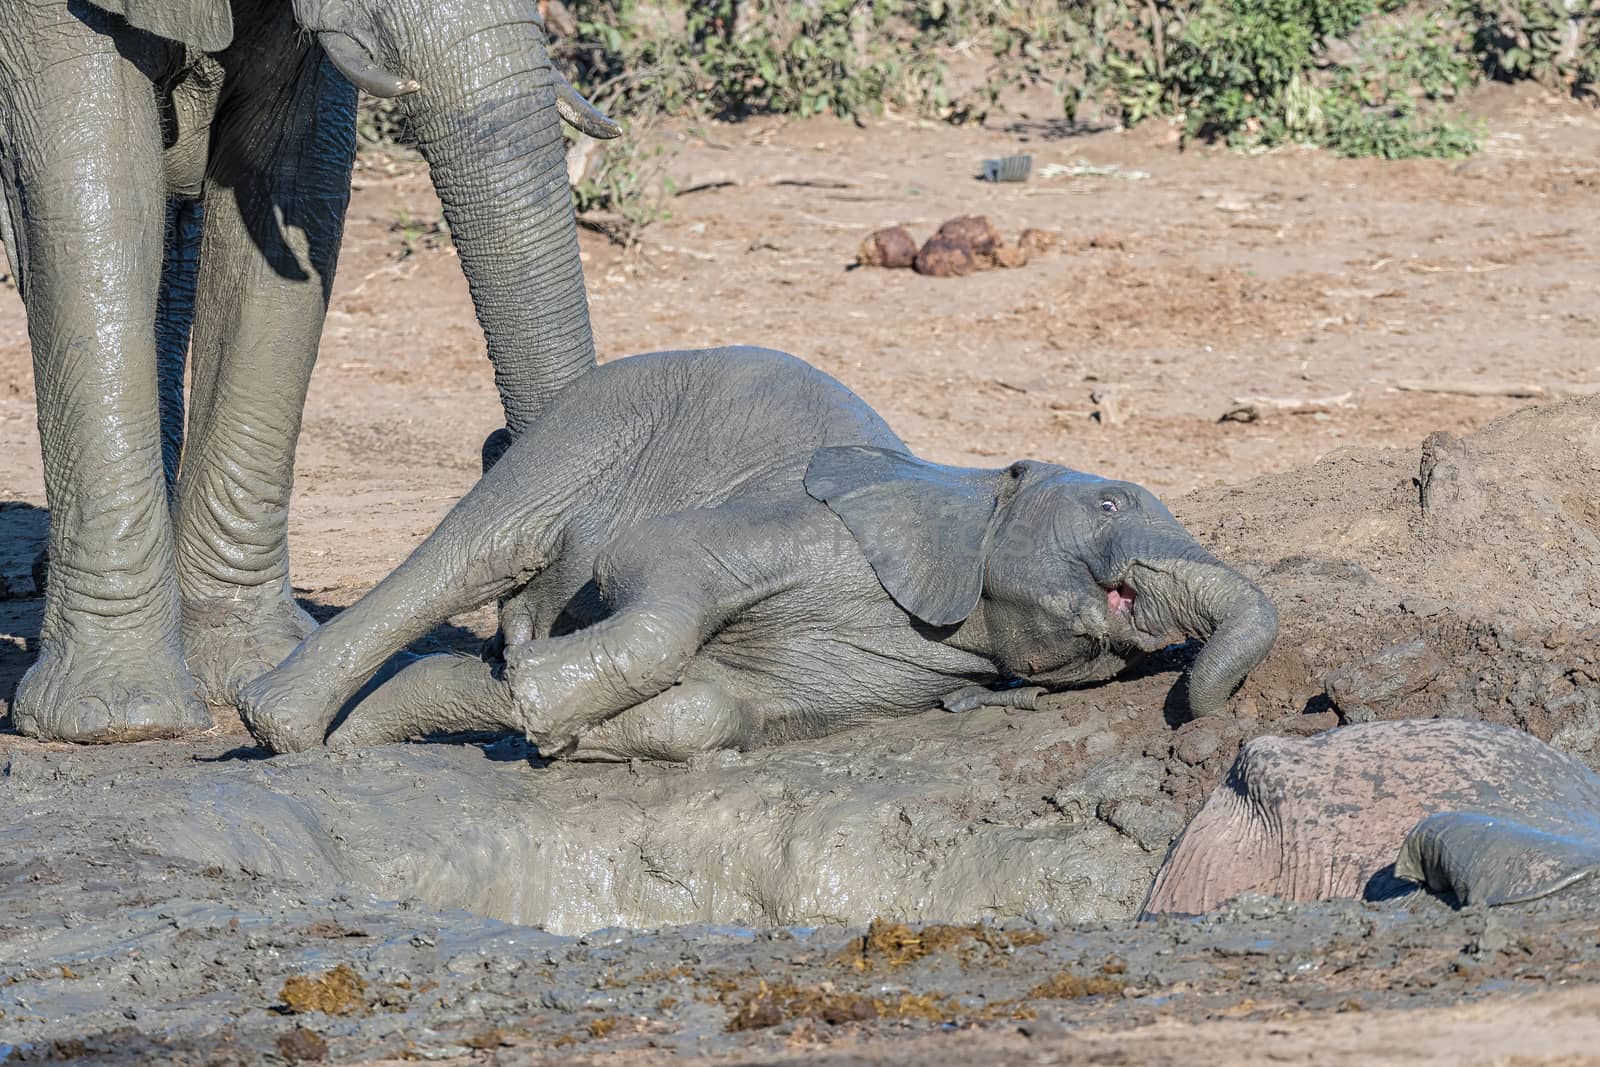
(1258, 72)
(1550, 41)
(1245, 72)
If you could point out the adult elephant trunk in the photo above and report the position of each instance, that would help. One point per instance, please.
(485, 105)
(1201, 596)
(491, 134)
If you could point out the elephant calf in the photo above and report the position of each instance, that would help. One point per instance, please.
(726, 548)
(1483, 813)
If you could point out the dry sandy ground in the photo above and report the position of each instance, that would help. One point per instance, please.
(1360, 302)
(1560, 1028)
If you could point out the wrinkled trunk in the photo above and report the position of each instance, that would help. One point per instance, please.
(1206, 599)
(487, 123)
(1244, 625)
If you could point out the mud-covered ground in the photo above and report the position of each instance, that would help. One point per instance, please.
(160, 900)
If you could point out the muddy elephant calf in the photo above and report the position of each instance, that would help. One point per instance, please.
(726, 548)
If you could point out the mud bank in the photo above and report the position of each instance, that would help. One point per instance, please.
(111, 954)
(920, 824)
(166, 893)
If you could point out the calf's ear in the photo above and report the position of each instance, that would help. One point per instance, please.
(203, 24)
(1480, 858)
(926, 529)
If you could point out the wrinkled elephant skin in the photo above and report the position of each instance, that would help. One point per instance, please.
(727, 549)
(176, 174)
(1477, 812)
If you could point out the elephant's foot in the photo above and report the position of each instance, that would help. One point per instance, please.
(230, 641)
(289, 708)
(113, 694)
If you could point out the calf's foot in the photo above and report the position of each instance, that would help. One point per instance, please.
(690, 719)
(289, 708)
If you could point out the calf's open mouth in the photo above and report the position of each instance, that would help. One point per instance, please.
(1120, 602)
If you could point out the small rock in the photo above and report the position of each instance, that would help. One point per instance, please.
(1151, 826)
(1108, 782)
(1307, 724)
(1197, 743)
(1360, 691)
(893, 247)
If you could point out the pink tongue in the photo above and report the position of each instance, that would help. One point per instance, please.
(1120, 599)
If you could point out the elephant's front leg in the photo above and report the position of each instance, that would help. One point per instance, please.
(276, 191)
(556, 689)
(82, 139)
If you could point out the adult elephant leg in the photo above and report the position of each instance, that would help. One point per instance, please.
(79, 125)
(276, 191)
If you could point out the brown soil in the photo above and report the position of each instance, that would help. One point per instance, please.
(1329, 303)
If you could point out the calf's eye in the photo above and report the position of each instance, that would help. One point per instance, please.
(1108, 505)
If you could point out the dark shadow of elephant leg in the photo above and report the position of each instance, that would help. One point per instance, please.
(24, 531)
(1386, 885)
(24, 538)
(19, 642)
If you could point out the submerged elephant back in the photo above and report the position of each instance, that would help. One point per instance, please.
(1325, 817)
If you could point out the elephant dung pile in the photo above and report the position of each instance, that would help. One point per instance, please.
(961, 246)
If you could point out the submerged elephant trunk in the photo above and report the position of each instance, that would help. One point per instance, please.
(1241, 625)
(487, 121)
